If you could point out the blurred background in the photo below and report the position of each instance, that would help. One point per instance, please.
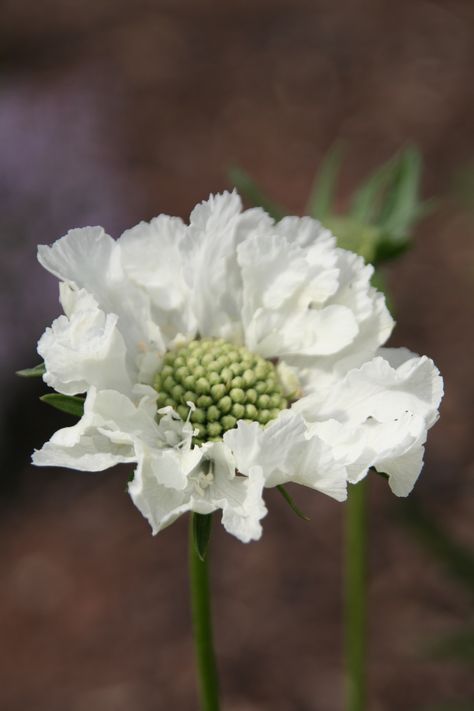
(112, 112)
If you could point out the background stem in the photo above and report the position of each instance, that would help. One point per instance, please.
(355, 596)
(202, 626)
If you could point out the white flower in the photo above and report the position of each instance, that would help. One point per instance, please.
(227, 356)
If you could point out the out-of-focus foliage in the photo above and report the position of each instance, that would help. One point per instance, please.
(382, 211)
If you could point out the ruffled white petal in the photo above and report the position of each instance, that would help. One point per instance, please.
(317, 467)
(374, 325)
(379, 391)
(272, 448)
(159, 504)
(83, 446)
(211, 484)
(378, 416)
(240, 498)
(113, 429)
(285, 451)
(84, 348)
(286, 309)
(151, 256)
(216, 228)
(91, 260)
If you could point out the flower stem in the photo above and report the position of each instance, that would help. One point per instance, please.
(202, 626)
(355, 597)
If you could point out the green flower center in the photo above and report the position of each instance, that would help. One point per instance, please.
(225, 382)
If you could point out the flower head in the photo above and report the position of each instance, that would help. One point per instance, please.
(226, 356)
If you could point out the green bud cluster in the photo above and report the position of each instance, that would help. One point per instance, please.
(225, 382)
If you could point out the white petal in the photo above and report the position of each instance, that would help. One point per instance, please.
(91, 260)
(369, 310)
(217, 226)
(286, 307)
(114, 430)
(83, 446)
(309, 233)
(403, 470)
(160, 505)
(316, 467)
(377, 390)
(84, 348)
(151, 255)
(379, 416)
(239, 497)
(271, 448)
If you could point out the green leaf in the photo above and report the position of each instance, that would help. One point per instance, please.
(201, 533)
(291, 503)
(401, 205)
(250, 190)
(321, 196)
(389, 200)
(66, 403)
(36, 372)
(366, 201)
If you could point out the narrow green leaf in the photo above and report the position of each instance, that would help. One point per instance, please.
(66, 403)
(321, 196)
(201, 533)
(250, 190)
(366, 201)
(401, 205)
(290, 501)
(36, 372)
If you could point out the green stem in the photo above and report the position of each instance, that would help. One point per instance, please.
(355, 597)
(202, 626)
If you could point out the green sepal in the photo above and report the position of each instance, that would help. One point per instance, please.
(36, 372)
(201, 533)
(291, 503)
(66, 403)
(250, 190)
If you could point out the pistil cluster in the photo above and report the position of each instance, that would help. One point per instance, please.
(225, 383)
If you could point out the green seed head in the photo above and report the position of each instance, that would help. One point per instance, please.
(224, 381)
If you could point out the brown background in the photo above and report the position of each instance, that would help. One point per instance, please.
(111, 112)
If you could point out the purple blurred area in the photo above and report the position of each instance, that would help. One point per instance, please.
(112, 112)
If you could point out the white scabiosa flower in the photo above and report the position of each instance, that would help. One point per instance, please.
(226, 356)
